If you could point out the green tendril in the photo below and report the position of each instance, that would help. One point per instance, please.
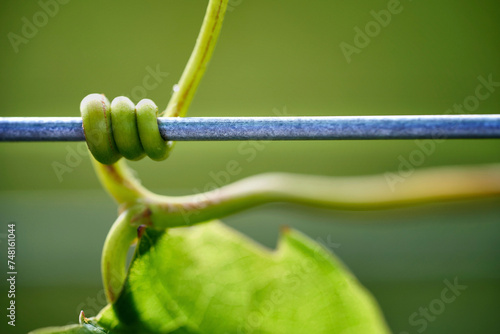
(122, 129)
(96, 118)
(125, 132)
(154, 145)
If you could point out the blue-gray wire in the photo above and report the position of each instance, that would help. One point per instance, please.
(272, 128)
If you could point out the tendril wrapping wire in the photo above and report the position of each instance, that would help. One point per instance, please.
(121, 129)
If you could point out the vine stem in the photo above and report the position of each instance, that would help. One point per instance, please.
(197, 64)
(142, 207)
(344, 193)
(119, 180)
(114, 254)
(139, 206)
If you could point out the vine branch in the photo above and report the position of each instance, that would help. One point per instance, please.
(119, 180)
(139, 206)
(197, 64)
(345, 193)
(114, 254)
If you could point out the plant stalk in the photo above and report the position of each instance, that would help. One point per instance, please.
(200, 57)
(344, 193)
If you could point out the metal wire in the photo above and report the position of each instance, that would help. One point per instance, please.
(272, 128)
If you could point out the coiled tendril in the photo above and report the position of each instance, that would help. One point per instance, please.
(122, 129)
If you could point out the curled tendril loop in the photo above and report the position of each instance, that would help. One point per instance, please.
(122, 129)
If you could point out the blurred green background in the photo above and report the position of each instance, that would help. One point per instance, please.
(272, 55)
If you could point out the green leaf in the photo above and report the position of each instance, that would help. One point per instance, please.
(211, 279)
